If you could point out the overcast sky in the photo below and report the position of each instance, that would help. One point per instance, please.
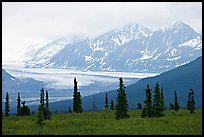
(26, 24)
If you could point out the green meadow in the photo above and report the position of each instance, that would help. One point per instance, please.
(104, 123)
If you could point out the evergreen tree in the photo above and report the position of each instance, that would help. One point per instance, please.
(121, 106)
(77, 103)
(176, 104)
(70, 110)
(24, 111)
(18, 103)
(162, 100)
(40, 115)
(171, 106)
(75, 97)
(46, 109)
(42, 100)
(192, 106)
(139, 106)
(147, 110)
(112, 105)
(42, 103)
(157, 107)
(106, 102)
(191, 102)
(7, 107)
(80, 110)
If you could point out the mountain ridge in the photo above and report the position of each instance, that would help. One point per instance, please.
(133, 48)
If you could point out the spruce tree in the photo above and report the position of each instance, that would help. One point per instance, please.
(192, 108)
(139, 106)
(176, 104)
(75, 97)
(112, 105)
(80, 110)
(162, 100)
(157, 107)
(70, 110)
(171, 106)
(106, 102)
(40, 115)
(18, 103)
(121, 106)
(147, 110)
(77, 103)
(47, 111)
(191, 102)
(42, 100)
(7, 107)
(24, 111)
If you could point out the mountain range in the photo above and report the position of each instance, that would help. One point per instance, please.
(132, 48)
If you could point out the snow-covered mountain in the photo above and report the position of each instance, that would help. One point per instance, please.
(132, 48)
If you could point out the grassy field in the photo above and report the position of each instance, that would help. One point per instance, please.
(94, 123)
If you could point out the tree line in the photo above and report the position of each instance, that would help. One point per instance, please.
(153, 106)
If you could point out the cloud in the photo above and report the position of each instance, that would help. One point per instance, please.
(31, 23)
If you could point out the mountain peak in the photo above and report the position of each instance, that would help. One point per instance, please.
(179, 25)
(134, 26)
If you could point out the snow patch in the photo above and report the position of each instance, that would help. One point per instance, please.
(88, 58)
(195, 43)
(173, 58)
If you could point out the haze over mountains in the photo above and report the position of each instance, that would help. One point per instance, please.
(12, 84)
(132, 48)
(180, 79)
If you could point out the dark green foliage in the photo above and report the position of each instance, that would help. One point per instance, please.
(147, 110)
(33, 112)
(47, 100)
(191, 102)
(70, 110)
(42, 100)
(171, 106)
(18, 103)
(139, 106)
(162, 100)
(46, 112)
(192, 106)
(112, 107)
(106, 102)
(77, 103)
(7, 108)
(24, 111)
(75, 97)
(176, 104)
(121, 106)
(40, 115)
(157, 107)
(80, 103)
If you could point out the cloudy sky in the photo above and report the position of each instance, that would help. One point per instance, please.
(26, 24)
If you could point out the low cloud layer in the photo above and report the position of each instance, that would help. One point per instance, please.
(26, 24)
